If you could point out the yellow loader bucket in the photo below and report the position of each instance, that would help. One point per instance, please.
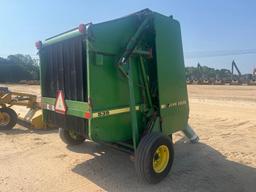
(37, 120)
(32, 117)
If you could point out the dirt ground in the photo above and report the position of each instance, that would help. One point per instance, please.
(225, 159)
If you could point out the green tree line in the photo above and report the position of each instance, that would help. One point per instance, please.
(18, 67)
(204, 72)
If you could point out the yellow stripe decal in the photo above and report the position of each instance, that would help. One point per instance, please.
(112, 112)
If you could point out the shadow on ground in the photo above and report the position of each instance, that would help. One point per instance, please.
(196, 167)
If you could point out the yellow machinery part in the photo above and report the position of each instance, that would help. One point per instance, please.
(37, 121)
(26, 107)
(33, 117)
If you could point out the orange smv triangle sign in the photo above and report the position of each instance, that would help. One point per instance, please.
(60, 105)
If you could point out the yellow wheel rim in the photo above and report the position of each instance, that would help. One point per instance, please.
(4, 118)
(161, 158)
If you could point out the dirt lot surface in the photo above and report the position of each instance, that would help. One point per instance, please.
(225, 159)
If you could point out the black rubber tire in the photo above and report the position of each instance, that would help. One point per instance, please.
(68, 139)
(13, 118)
(144, 157)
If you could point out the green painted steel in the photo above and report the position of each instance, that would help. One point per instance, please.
(108, 88)
(145, 81)
(171, 74)
(74, 108)
(62, 37)
(134, 121)
(121, 72)
(47, 100)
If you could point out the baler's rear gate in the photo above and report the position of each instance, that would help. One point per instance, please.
(65, 69)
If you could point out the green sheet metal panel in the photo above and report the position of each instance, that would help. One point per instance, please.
(75, 108)
(172, 87)
(107, 86)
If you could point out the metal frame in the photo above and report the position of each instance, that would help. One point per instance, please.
(124, 60)
(8, 99)
(33, 116)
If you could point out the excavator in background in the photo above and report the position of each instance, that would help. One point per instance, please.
(218, 80)
(204, 78)
(202, 75)
(235, 79)
(252, 80)
(197, 78)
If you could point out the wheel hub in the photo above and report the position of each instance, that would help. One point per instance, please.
(161, 158)
(72, 134)
(4, 118)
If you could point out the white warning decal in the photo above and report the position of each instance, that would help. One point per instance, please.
(60, 105)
